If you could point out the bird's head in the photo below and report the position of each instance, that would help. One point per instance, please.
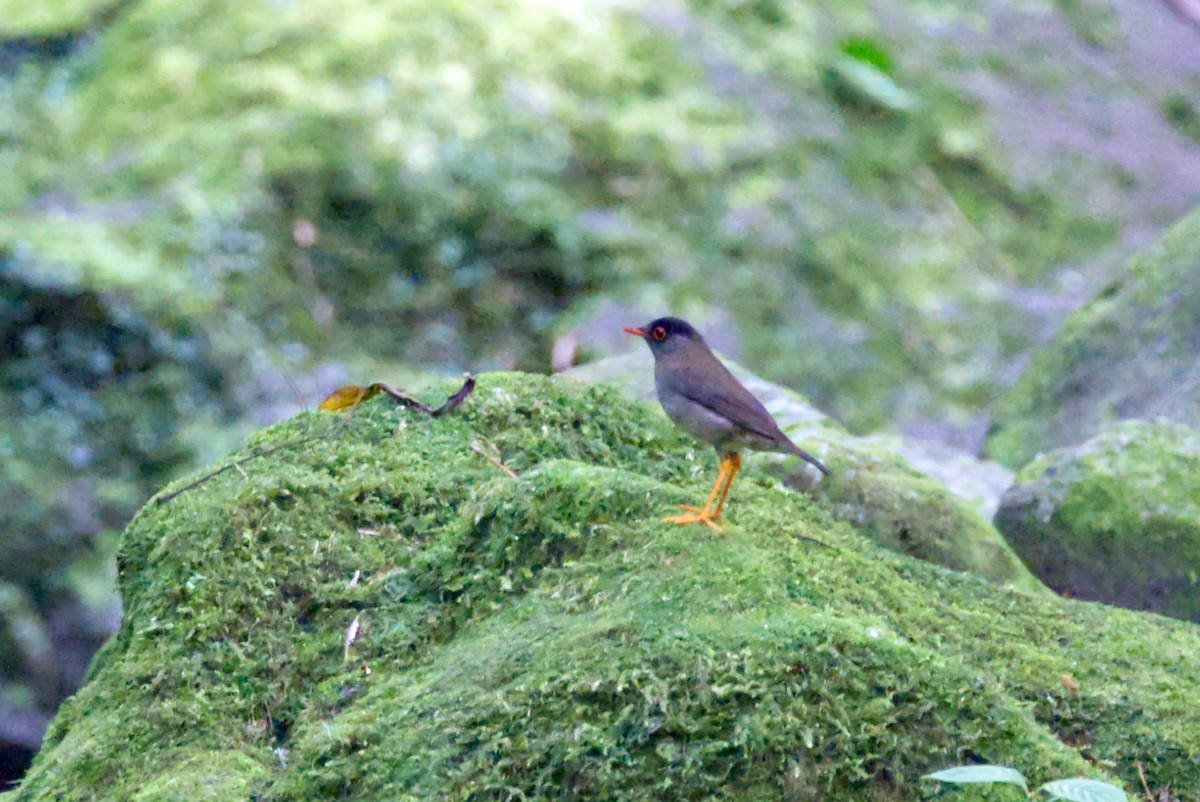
(666, 335)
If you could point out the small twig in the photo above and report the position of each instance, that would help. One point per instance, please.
(1165, 796)
(492, 455)
(237, 463)
(799, 536)
(412, 403)
(456, 399)
(1142, 777)
(351, 636)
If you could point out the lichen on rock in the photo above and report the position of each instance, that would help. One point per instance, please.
(546, 636)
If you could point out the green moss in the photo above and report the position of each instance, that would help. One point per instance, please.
(903, 510)
(1115, 519)
(46, 19)
(1130, 352)
(201, 776)
(548, 636)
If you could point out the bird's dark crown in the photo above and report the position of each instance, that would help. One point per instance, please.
(664, 328)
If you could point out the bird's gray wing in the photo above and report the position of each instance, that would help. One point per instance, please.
(733, 402)
(736, 404)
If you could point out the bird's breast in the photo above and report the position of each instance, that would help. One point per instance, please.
(695, 418)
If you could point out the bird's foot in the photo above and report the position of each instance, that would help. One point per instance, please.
(696, 515)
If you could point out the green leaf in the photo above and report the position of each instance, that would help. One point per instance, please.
(869, 51)
(1078, 789)
(978, 774)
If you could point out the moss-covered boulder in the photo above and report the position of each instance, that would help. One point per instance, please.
(383, 605)
(1132, 352)
(877, 490)
(1114, 519)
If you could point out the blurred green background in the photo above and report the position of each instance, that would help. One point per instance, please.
(212, 213)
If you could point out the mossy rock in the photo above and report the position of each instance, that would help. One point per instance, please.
(468, 173)
(875, 490)
(1115, 519)
(546, 636)
(1131, 352)
(33, 20)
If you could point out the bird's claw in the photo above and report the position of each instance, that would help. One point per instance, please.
(695, 515)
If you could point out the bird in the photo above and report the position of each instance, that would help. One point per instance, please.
(703, 398)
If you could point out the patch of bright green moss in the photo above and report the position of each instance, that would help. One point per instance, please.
(1115, 519)
(201, 775)
(547, 636)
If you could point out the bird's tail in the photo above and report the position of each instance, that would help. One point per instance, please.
(809, 458)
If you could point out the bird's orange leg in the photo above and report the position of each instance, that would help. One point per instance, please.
(735, 464)
(703, 514)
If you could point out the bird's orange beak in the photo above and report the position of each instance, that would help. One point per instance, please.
(636, 332)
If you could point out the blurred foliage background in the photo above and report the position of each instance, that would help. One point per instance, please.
(211, 213)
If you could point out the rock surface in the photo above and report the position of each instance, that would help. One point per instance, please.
(1132, 352)
(1115, 519)
(375, 608)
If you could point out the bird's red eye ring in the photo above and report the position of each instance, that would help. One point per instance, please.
(659, 333)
